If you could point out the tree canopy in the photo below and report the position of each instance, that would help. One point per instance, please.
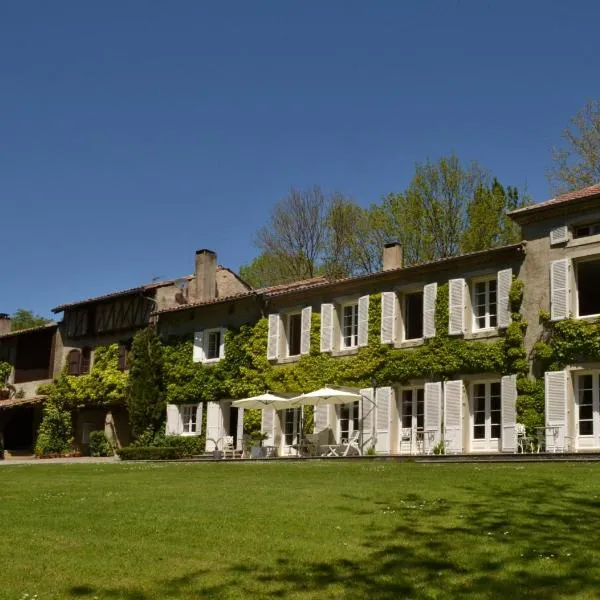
(576, 163)
(24, 319)
(447, 209)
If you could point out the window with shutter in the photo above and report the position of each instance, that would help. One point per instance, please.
(294, 334)
(429, 299)
(413, 316)
(74, 362)
(559, 289)
(485, 304)
(456, 302)
(588, 298)
(389, 302)
(124, 349)
(349, 325)
(327, 315)
(86, 359)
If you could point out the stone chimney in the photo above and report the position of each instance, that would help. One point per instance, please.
(4, 323)
(204, 285)
(392, 256)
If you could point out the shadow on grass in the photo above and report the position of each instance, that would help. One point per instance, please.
(537, 541)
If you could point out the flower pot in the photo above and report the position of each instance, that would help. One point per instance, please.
(258, 452)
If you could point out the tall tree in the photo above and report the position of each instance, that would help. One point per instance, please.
(266, 270)
(296, 233)
(488, 225)
(24, 319)
(576, 164)
(146, 395)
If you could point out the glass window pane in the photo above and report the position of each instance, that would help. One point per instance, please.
(414, 316)
(586, 428)
(479, 432)
(586, 412)
(495, 432)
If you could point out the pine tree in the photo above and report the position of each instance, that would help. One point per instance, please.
(146, 397)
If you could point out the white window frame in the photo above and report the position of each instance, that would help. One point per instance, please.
(206, 342)
(488, 315)
(414, 391)
(185, 427)
(575, 279)
(287, 322)
(353, 415)
(404, 305)
(487, 410)
(595, 404)
(342, 306)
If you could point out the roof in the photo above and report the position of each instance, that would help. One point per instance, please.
(323, 282)
(410, 269)
(12, 402)
(29, 330)
(574, 196)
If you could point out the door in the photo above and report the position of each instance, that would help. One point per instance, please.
(486, 416)
(292, 427)
(348, 420)
(411, 409)
(587, 411)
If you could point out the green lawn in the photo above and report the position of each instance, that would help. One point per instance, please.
(321, 529)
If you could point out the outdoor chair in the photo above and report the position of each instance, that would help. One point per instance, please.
(407, 436)
(524, 442)
(350, 445)
(229, 449)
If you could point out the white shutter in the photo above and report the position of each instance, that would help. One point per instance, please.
(198, 354)
(267, 426)
(199, 418)
(363, 320)
(453, 415)
(213, 426)
(433, 414)
(559, 235)
(305, 334)
(367, 410)
(239, 434)
(504, 284)
(429, 297)
(456, 300)
(273, 343)
(508, 386)
(383, 398)
(326, 327)
(389, 302)
(556, 408)
(222, 344)
(559, 289)
(173, 422)
(321, 417)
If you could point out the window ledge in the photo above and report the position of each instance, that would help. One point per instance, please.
(589, 318)
(410, 343)
(189, 434)
(287, 359)
(211, 361)
(582, 241)
(481, 334)
(345, 352)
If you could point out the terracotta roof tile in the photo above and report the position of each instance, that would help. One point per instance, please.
(584, 193)
(28, 330)
(10, 403)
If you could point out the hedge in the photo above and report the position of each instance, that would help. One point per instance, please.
(151, 453)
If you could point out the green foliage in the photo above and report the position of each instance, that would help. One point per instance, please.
(99, 444)
(5, 371)
(105, 384)
(54, 435)
(146, 397)
(151, 453)
(24, 319)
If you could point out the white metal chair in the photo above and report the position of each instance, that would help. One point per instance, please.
(351, 444)
(524, 442)
(228, 447)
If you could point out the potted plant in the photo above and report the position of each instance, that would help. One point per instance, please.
(257, 450)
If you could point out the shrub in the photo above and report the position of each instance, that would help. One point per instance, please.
(54, 435)
(99, 444)
(150, 453)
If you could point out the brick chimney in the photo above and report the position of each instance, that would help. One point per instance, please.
(392, 256)
(4, 323)
(204, 285)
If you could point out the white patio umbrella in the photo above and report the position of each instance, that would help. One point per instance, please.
(263, 401)
(325, 395)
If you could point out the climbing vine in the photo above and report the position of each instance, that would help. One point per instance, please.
(245, 370)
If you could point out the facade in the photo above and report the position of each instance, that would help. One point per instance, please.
(425, 327)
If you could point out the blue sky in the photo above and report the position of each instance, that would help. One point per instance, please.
(134, 132)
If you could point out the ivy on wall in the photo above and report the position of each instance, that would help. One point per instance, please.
(245, 370)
